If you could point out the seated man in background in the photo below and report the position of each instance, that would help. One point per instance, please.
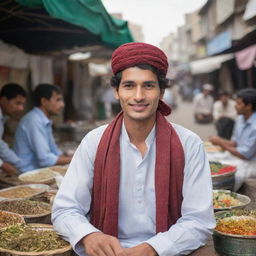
(12, 101)
(34, 141)
(241, 149)
(203, 105)
(224, 114)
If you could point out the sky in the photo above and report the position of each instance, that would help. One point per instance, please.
(158, 17)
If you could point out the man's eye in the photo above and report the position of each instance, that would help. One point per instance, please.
(149, 86)
(127, 85)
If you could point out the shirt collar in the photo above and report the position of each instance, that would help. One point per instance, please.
(149, 140)
(251, 119)
(44, 118)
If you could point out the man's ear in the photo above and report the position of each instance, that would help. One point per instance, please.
(43, 101)
(162, 93)
(116, 93)
(249, 106)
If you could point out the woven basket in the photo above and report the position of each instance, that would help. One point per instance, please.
(35, 218)
(65, 251)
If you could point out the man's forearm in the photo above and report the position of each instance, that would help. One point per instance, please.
(233, 151)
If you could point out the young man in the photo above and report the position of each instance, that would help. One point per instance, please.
(34, 141)
(241, 149)
(224, 114)
(12, 101)
(203, 105)
(134, 187)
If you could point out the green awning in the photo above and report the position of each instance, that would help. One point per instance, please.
(90, 14)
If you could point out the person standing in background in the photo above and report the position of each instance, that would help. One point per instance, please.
(203, 105)
(224, 114)
(12, 102)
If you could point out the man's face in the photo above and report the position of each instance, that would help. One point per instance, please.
(54, 105)
(206, 92)
(224, 99)
(241, 108)
(13, 107)
(139, 94)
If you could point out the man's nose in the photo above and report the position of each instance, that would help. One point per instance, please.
(139, 94)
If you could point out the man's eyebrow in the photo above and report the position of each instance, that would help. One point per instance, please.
(131, 81)
(127, 81)
(150, 81)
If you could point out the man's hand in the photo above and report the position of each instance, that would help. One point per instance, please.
(216, 140)
(141, 250)
(64, 160)
(8, 168)
(99, 244)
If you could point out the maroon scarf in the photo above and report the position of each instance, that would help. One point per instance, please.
(168, 177)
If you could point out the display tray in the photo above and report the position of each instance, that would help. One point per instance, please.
(25, 207)
(230, 244)
(244, 200)
(23, 191)
(61, 169)
(66, 250)
(39, 176)
(210, 148)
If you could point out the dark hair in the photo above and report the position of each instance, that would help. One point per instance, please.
(223, 93)
(248, 96)
(12, 90)
(44, 91)
(162, 80)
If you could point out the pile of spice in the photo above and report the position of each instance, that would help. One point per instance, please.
(25, 238)
(38, 176)
(60, 169)
(7, 219)
(218, 168)
(20, 192)
(25, 207)
(223, 199)
(238, 223)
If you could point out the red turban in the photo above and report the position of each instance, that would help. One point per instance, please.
(132, 54)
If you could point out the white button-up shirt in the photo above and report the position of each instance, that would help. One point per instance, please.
(219, 110)
(136, 223)
(203, 104)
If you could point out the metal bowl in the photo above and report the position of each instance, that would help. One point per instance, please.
(245, 200)
(224, 181)
(233, 245)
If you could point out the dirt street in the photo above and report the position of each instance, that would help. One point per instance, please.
(184, 116)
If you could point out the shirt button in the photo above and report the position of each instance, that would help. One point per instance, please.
(139, 201)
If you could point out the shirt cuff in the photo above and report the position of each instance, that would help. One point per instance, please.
(157, 242)
(84, 230)
(244, 152)
(49, 160)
